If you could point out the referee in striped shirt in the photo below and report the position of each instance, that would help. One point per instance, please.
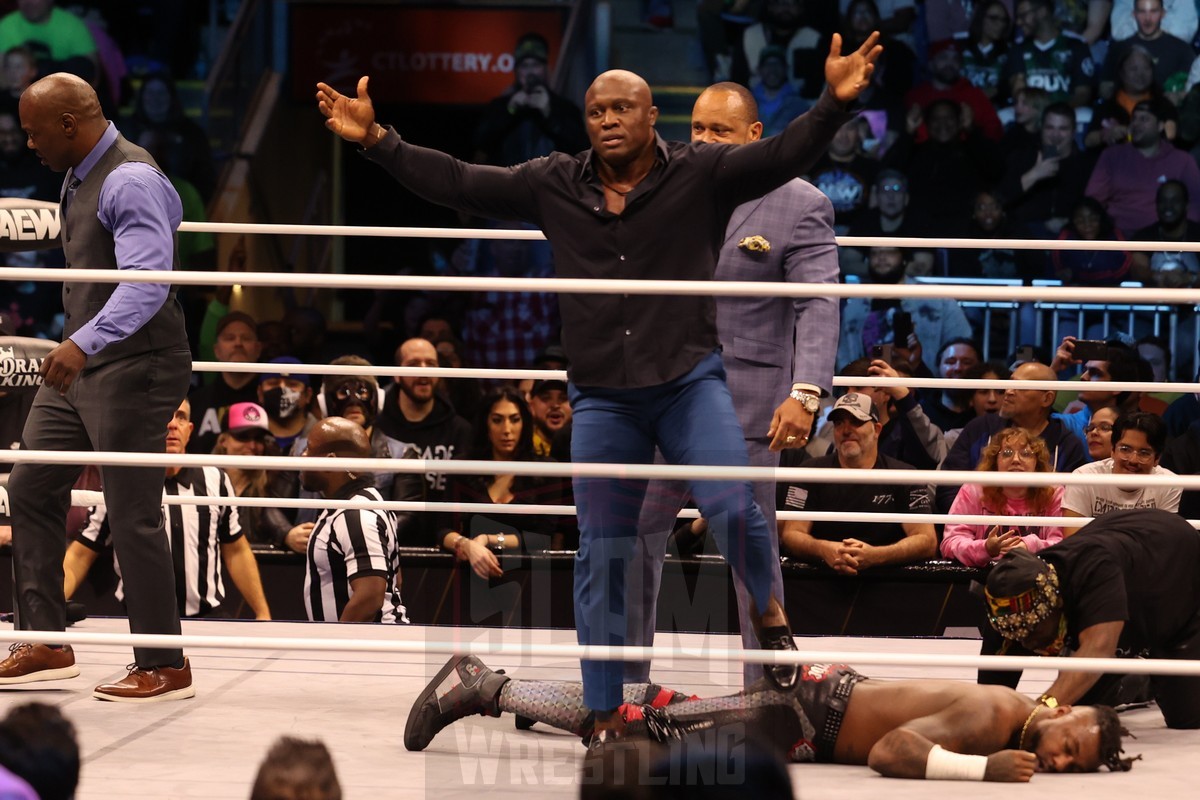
(353, 565)
(201, 536)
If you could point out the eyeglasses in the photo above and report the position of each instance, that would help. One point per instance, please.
(1144, 454)
(1026, 454)
(1103, 427)
(892, 187)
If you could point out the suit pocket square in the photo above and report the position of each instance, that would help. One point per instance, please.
(755, 244)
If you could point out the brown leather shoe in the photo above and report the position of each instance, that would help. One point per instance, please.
(27, 663)
(149, 685)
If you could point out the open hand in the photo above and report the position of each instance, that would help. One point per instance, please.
(849, 75)
(348, 117)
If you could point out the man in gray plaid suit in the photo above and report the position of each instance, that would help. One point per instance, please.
(778, 354)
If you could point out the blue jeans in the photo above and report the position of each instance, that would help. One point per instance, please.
(692, 421)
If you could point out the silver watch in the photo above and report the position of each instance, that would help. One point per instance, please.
(810, 401)
(500, 541)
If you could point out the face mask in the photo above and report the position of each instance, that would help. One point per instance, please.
(281, 402)
(353, 392)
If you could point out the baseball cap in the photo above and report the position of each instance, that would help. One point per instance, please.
(553, 353)
(856, 405)
(531, 45)
(546, 386)
(245, 417)
(285, 373)
(236, 316)
(1021, 592)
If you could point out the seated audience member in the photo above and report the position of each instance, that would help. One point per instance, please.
(949, 409)
(1025, 129)
(979, 402)
(1138, 442)
(202, 537)
(988, 221)
(353, 572)
(1171, 56)
(1183, 411)
(1089, 222)
(20, 68)
(296, 769)
(1044, 180)
(950, 166)
(1155, 353)
(1019, 408)
(39, 746)
(850, 547)
(895, 69)
(1098, 433)
(1127, 176)
(1049, 59)
(286, 396)
(1011, 450)
(414, 411)
(1134, 84)
(504, 432)
(779, 102)
(551, 410)
(1182, 457)
(60, 39)
(907, 434)
(156, 106)
(888, 214)
(984, 45)
(1163, 267)
(356, 398)
(845, 175)
(247, 434)
(464, 394)
(946, 82)
(237, 342)
(784, 28)
(866, 323)
(1179, 19)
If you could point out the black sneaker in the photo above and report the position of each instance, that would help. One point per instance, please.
(782, 676)
(522, 722)
(464, 686)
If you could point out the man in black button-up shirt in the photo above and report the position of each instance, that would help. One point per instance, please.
(644, 369)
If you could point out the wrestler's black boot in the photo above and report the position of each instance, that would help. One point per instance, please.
(777, 637)
(464, 686)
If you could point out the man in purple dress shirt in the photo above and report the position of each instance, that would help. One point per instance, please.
(114, 382)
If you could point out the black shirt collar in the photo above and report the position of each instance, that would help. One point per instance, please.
(587, 167)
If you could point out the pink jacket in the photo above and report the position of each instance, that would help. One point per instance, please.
(966, 543)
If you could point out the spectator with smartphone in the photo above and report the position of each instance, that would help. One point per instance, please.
(1043, 181)
(1011, 450)
(1102, 362)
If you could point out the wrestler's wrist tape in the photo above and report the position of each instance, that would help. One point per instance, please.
(944, 765)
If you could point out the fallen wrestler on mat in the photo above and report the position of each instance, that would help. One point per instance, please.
(933, 729)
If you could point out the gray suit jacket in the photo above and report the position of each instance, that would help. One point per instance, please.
(771, 342)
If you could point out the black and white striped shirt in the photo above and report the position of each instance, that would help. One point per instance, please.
(351, 543)
(195, 533)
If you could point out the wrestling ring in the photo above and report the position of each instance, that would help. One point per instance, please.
(352, 685)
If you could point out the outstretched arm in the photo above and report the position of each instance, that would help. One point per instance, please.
(968, 742)
(435, 176)
(1095, 641)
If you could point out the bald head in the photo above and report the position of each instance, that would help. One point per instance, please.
(620, 116)
(1033, 371)
(339, 436)
(1029, 408)
(62, 119)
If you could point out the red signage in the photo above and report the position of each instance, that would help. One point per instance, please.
(414, 55)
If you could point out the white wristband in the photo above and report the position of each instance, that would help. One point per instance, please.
(944, 765)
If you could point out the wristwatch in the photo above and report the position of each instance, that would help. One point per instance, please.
(499, 541)
(810, 401)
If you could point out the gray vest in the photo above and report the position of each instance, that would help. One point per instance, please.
(88, 245)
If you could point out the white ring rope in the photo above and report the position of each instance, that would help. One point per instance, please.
(561, 375)
(88, 497)
(592, 470)
(917, 243)
(1147, 666)
(1073, 295)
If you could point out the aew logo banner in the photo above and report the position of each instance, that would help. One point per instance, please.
(20, 359)
(28, 224)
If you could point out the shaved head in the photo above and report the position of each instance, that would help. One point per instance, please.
(339, 436)
(619, 113)
(62, 119)
(725, 113)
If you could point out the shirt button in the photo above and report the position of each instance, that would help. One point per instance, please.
(622, 258)
(628, 332)
(597, 208)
